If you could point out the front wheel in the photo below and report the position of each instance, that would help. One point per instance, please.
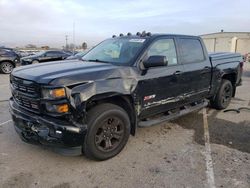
(223, 96)
(108, 131)
(35, 62)
(6, 67)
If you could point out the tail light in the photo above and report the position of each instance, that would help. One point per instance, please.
(241, 65)
(242, 62)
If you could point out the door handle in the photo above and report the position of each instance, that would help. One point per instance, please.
(177, 72)
(205, 70)
(206, 67)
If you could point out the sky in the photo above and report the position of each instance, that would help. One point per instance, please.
(46, 22)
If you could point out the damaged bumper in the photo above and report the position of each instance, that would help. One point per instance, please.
(46, 130)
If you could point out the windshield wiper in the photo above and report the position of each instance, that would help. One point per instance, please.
(96, 60)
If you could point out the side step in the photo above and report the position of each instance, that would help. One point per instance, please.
(170, 116)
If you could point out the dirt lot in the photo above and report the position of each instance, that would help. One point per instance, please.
(169, 155)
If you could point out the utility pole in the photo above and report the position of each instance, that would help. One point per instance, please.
(74, 37)
(66, 38)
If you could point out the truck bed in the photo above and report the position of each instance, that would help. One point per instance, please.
(224, 57)
(225, 63)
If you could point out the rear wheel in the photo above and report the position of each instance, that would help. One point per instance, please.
(6, 67)
(224, 95)
(108, 131)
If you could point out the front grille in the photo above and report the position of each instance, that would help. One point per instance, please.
(30, 104)
(24, 86)
(26, 94)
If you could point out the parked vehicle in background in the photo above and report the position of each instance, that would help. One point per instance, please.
(9, 59)
(45, 56)
(124, 82)
(78, 55)
(27, 53)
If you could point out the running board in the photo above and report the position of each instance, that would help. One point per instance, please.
(171, 116)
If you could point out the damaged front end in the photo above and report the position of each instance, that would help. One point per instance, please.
(46, 130)
(42, 114)
(56, 113)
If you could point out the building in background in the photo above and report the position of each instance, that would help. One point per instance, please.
(228, 42)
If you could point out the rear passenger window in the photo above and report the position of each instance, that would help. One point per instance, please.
(191, 51)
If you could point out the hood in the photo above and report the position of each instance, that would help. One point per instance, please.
(71, 72)
(73, 57)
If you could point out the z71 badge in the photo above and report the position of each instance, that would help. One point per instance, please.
(148, 97)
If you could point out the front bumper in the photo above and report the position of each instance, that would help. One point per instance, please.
(17, 62)
(38, 129)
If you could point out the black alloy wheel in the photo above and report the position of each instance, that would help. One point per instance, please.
(224, 95)
(110, 134)
(108, 131)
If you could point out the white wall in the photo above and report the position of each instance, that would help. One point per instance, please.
(227, 42)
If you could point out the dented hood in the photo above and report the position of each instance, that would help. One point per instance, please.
(71, 72)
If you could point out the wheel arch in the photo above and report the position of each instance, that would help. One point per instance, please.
(124, 101)
(2, 61)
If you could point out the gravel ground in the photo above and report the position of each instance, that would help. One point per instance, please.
(168, 155)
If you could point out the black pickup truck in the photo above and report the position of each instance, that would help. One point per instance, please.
(124, 82)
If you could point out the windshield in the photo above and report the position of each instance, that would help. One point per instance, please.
(116, 51)
(39, 53)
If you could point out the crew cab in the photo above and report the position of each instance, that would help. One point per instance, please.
(96, 103)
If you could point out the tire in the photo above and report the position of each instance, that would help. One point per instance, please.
(34, 62)
(223, 96)
(6, 67)
(108, 131)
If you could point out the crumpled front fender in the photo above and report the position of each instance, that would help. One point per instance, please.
(112, 86)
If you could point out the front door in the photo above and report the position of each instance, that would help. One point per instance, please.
(160, 89)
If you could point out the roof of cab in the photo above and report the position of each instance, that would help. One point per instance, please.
(154, 35)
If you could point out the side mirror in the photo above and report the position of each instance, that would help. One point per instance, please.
(155, 61)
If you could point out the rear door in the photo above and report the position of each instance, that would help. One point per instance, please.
(196, 66)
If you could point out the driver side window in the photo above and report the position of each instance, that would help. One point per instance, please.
(112, 51)
(164, 47)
